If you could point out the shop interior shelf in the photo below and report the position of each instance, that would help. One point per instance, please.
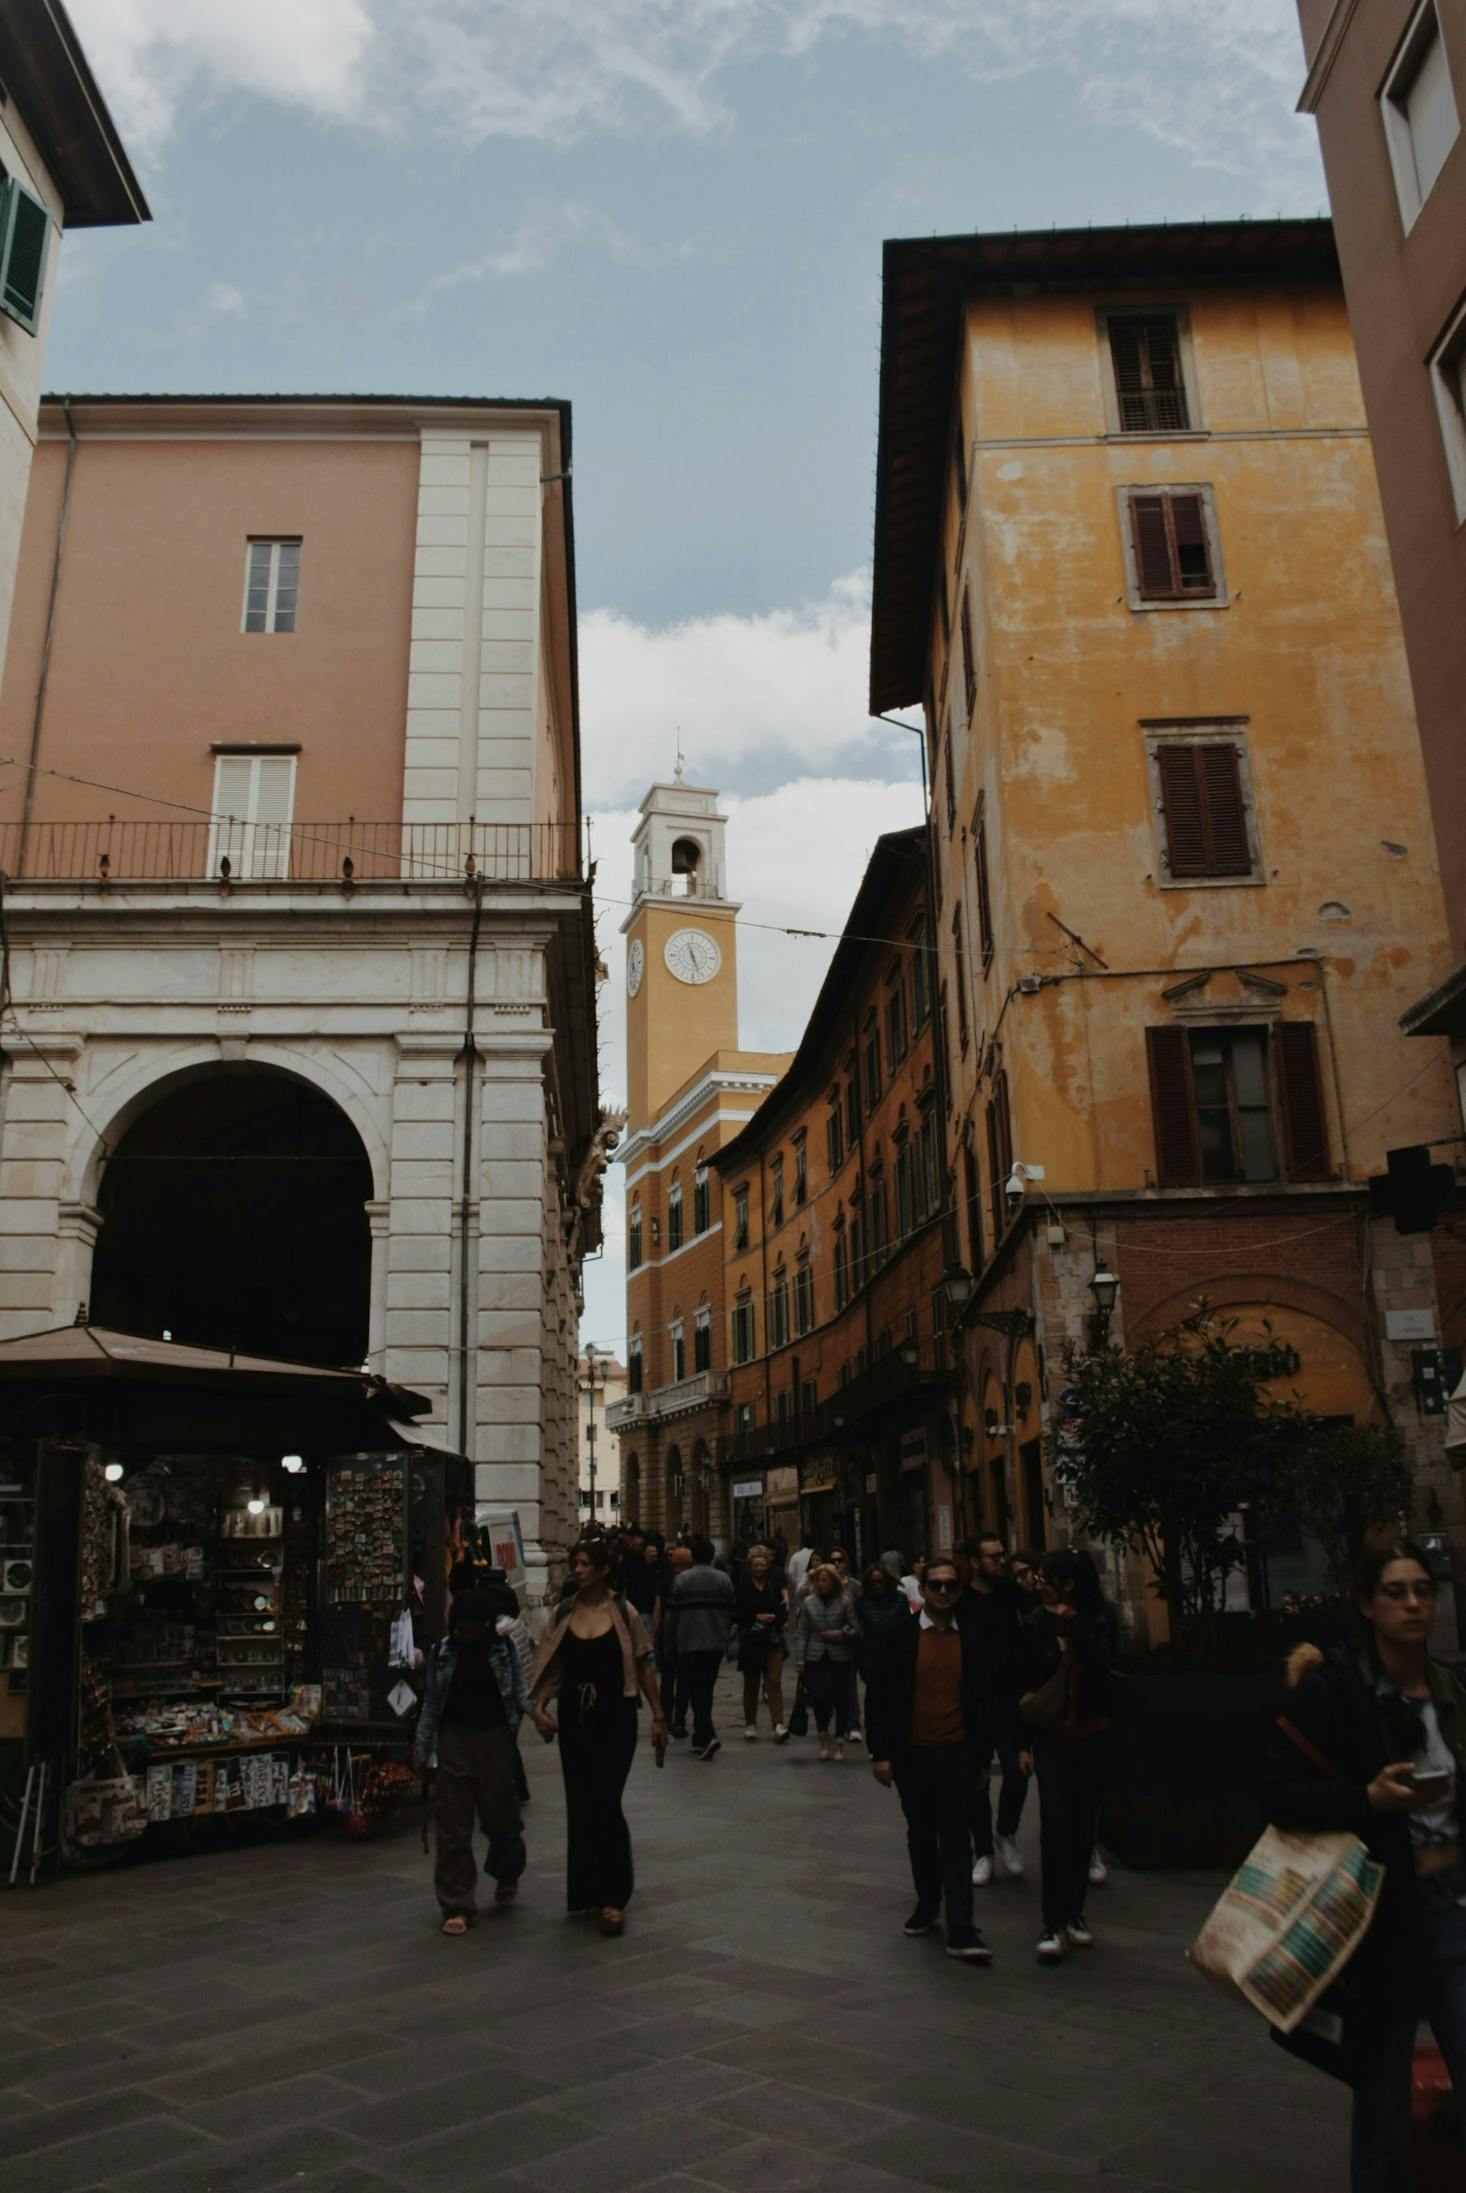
(213, 1751)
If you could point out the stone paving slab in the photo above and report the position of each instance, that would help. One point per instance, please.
(288, 2015)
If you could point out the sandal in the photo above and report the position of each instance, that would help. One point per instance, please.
(613, 1922)
(457, 1922)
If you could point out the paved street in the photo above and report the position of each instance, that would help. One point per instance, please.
(287, 2015)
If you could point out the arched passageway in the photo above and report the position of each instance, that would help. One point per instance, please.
(234, 1216)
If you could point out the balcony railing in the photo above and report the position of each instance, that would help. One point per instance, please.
(850, 1413)
(683, 1393)
(225, 850)
(631, 1410)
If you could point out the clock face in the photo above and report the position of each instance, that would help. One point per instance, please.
(635, 963)
(692, 956)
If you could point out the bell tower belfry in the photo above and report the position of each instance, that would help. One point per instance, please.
(681, 946)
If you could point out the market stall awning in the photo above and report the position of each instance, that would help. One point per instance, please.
(94, 1351)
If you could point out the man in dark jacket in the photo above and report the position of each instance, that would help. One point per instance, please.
(696, 1618)
(991, 1610)
(929, 1727)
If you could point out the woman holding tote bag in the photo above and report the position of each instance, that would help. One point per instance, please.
(1372, 1742)
(1066, 1651)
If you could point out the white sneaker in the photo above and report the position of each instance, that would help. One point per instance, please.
(856, 1737)
(1078, 1933)
(750, 1733)
(781, 1734)
(982, 1872)
(1099, 1872)
(1050, 1947)
(1009, 1857)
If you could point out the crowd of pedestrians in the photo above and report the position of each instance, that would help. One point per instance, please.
(966, 1657)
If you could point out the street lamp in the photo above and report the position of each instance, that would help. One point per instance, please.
(956, 1291)
(1104, 1285)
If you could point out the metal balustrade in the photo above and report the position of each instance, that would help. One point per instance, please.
(226, 850)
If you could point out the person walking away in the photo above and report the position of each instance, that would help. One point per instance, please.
(1373, 1744)
(850, 1585)
(474, 1701)
(674, 1681)
(594, 1658)
(1074, 1630)
(639, 1577)
(930, 1733)
(825, 1638)
(990, 1608)
(796, 1568)
(761, 1616)
(696, 1620)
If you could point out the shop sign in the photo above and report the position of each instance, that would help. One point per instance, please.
(944, 1528)
(506, 1542)
(819, 1477)
(749, 1488)
(913, 1450)
(784, 1479)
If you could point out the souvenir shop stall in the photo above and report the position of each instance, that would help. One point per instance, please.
(219, 1576)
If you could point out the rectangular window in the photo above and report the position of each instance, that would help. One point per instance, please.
(879, 1222)
(1201, 797)
(25, 231)
(1418, 107)
(776, 1200)
(872, 1071)
(801, 1168)
(679, 1353)
(674, 1219)
(939, 1330)
(950, 779)
(857, 1241)
(896, 1024)
(921, 977)
(271, 586)
(779, 1312)
(842, 1272)
(959, 949)
(1150, 387)
(702, 1341)
(701, 1201)
(905, 1206)
(740, 1218)
(969, 658)
(743, 1331)
(803, 1298)
(633, 1238)
(809, 1397)
(633, 1368)
(984, 889)
(1448, 377)
(835, 1137)
(852, 1106)
(1000, 1154)
(930, 1188)
(254, 796)
(1216, 1094)
(1171, 541)
(972, 1197)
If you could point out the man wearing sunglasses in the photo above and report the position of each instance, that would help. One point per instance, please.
(930, 1731)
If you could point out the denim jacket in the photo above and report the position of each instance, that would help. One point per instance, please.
(442, 1662)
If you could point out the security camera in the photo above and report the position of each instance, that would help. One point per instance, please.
(1015, 1187)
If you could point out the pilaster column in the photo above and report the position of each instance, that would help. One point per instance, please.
(42, 1276)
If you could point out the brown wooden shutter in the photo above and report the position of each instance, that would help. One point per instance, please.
(1148, 382)
(984, 898)
(1226, 810)
(1191, 546)
(969, 663)
(1300, 1094)
(1182, 803)
(1005, 1125)
(1154, 565)
(997, 1175)
(1173, 1108)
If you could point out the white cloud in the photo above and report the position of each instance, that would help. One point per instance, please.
(1218, 82)
(796, 854)
(226, 298)
(543, 229)
(773, 694)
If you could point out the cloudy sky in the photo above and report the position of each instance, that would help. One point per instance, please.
(670, 211)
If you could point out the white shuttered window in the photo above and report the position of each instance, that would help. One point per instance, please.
(254, 796)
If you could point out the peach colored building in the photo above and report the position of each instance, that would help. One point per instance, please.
(300, 939)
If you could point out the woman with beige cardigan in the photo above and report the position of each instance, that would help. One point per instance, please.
(594, 1658)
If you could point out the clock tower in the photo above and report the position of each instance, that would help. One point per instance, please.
(681, 947)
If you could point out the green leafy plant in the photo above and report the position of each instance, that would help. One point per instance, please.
(1344, 1481)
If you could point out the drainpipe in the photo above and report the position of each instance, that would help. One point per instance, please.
(40, 708)
(469, 1055)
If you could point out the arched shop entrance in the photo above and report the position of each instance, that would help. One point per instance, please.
(234, 1216)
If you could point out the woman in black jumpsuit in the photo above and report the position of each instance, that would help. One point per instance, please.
(593, 1660)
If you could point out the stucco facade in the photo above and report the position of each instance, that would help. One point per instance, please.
(1173, 1002)
(410, 942)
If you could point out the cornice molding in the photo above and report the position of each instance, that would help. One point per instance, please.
(668, 1122)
